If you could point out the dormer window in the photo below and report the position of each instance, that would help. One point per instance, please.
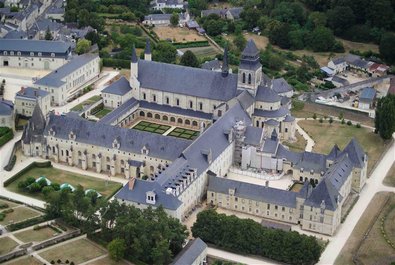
(18, 53)
(72, 135)
(40, 54)
(32, 54)
(150, 197)
(144, 150)
(52, 54)
(116, 144)
(5, 53)
(11, 53)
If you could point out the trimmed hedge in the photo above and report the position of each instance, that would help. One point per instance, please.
(97, 109)
(6, 134)
(23, 171)
(27, 223)
(118, 63)
(191, 44)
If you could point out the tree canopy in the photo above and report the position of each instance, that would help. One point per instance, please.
(385, 116)
(165, 52)
(174, 19)
(189, 59)
(83, 46)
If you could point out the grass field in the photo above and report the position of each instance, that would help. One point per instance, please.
(6, 245)
(60, 176)
(19, 214)
(297, 146)
(103, 113)
(184, 133)
(178, 34)
(151, 127)
(25, 261)
(36, 235)
(326, 136)
(10, 204)
(78, 251)
(89, 101)
(203, 52)
(374, 250)
(390, 178)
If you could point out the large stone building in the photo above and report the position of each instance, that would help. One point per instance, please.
(69, 80)
(27, 98)
(33, 54)
(241, 119)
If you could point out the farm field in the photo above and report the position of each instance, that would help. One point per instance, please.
(177, 34)
(60, 176)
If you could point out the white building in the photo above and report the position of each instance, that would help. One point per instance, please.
(70, 79)
(33, 54)
(27, 98)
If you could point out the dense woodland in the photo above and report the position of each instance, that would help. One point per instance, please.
(246, 236)
(385, 116)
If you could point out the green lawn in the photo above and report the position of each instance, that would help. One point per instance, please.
(89, 101)
(78, 251)
(36, 235)
(6, 245)
(151, 127)
(9, 203)
(103, 113)
(60, 176)
(184, 133)
(25, 261)
(326, 136)
(19, 214)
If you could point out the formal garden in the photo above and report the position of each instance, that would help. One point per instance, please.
(184, 133)
(37, 182)
(7, 244)
(151, 127)
(13, 213)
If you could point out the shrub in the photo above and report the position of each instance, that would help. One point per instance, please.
(55, 186)
(35, 187)
(4, 205)
(321, 120)
(52, 262)
(36, 227)
(314, 116)
(2, 216)
(59, 261)
(67, 261)
(343, 121)
(358, 125)
(47, 190)
(349, 123)
(8, 211)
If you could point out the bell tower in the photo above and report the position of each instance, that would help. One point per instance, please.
(250, 69)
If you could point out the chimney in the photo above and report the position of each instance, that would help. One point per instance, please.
(22, 91)
(132, 180)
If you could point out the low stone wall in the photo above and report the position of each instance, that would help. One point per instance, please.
(13, 255)
(55, 240)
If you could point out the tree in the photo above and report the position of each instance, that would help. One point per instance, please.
(385, 116)
(239, 41)
(165, 52)
(174, 19)
(330, 120)
(189, 59)
(214, 27)
(386, 47)
(321, 40)
(48, 34)
(314, 116)
(340, 18)
(381, 14)
(278, 35)
(83, 46)
(316, 19)
(116, 249)
(341, 115)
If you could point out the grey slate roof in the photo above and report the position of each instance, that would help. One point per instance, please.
(250, 50)
(338, 172)
(326, 192)
(175, 110)
(53, 79)
(266, 94)
(119, 87)
(31, 93)
(245, 98)
(289, 118)
(312, 161)
(252, 191)
(185, 80)
(283, 152)
(34, 46)
(270, 146)
(212, 65)
(340, 80)
(253, 135)
(281, 112)
(338, 61)
(272, 122)
(280, 85)
(367, 94)
(118, 112)
(159, 146)
(355, 153)
(6, 107)
(190, 252)
(138, 194)
(34, 130)
(15, 34)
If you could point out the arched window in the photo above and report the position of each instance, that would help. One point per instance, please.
(249, 79)
(122, 162)
(93, 156)
(244, 78)
(177, 102)
(142, 114)
(154, 98)
(187, 122)
(165, 118)
(200, 105)
(179, 120)
(157, 116)
(194, 123)
(151, 168)
(167, 100)
(149, 115)
(108, 159)
(219, 113)
(79, 153)
(144, 96)
(172, 119)
(257, 123)
(53, 149)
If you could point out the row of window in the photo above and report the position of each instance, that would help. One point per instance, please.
(167, 102)
(39, 54)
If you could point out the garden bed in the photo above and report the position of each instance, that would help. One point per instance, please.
(184, 133)
(151, 127)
